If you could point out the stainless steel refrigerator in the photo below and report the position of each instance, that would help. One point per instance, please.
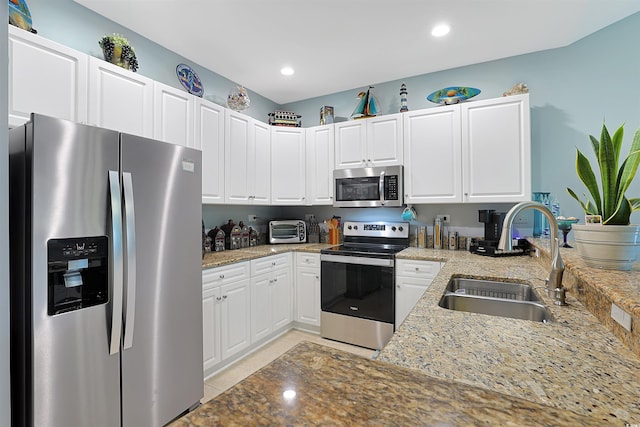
(106, 294)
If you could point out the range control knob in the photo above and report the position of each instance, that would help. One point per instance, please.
(393, 228)
(349, 227)
(400, 228)
(355, 227)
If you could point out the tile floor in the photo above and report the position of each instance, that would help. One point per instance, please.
(262, 357)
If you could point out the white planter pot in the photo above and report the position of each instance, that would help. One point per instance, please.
(612, 247)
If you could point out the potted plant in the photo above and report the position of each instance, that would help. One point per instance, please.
(117, 50)
(613, 243)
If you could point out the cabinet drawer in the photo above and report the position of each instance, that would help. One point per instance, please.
(307, 259)
(225, 275)
(270, 263)
(413, 268)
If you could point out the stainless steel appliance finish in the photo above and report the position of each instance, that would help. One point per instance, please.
(134, 359)
(287, 231)
(368, 187)
(358, 283)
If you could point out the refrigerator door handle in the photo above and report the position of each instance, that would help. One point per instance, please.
(117, 262)
(130, 254)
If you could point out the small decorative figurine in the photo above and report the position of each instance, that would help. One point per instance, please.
(517, 89)
(403, 98)
(238, 99)
(367, 106)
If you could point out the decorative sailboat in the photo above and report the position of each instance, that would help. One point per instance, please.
(367, 106)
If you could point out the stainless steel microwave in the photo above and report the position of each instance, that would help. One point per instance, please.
(368, 187)
(287, 231)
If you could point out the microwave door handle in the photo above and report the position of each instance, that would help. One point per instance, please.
(381, 187)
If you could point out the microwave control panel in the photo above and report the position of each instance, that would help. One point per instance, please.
(391, 187)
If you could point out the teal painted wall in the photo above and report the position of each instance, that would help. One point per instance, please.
(73, 25)
(572, 90)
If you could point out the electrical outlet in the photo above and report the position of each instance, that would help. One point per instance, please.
(309, 217)
(444, 217)
(621, 316)
(252, 218)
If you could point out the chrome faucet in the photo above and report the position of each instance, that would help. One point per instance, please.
(557, 265)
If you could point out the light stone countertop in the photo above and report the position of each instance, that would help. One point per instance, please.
(572, 364)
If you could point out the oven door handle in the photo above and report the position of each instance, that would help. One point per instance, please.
(348, 259)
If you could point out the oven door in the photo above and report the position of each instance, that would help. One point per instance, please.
(358, 286)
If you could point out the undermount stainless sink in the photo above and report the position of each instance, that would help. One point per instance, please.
(496, 298)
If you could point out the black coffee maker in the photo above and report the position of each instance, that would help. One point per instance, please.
(493, 222)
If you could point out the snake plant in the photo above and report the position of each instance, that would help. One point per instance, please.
(611, 203)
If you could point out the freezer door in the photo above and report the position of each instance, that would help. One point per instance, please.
(162, 353)
(74, 379)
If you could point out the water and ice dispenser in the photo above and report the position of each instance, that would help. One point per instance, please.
(77, 273)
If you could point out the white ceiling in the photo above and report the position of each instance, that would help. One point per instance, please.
(337, 45)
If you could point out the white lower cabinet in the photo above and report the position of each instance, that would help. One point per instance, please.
(308, 288)
(271, 295)
(225, 312)
(412, 280)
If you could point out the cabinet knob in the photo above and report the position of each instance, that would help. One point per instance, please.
(417, 268)
(224, 297)
(275, 280)
(222, 276)
(219, 298)
(398, 286)
(273, 263)
(317, 277)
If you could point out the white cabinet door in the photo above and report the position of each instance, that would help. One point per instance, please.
(288, 176)
(260, 159)
(432, 153)
(235, 317)
(173, 118)
(209, 137)
(319, 165)
(496, 141)
(45, 78)
(237, 149)
(261, 310)
(350, 144)
(211, 354)
(308, 295)
(408, 292)
(282, 293)
(384, 140)
(247, 145)
(413, 278)
(120, 99)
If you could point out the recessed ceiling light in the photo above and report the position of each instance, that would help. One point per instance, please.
(287, 71)
(440, 30)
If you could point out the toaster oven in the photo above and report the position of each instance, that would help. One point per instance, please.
(287, 231)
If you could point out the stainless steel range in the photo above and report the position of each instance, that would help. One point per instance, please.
(358, 283)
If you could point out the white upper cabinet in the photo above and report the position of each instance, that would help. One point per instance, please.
(320, 162)
(432, 153)
(371, 142)
(247, 145)
(288, 176)
(496, 150)
(173, 119)
(120, 99)
(209, 137)
(474, 152)
(384, 140)
(45, 78)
